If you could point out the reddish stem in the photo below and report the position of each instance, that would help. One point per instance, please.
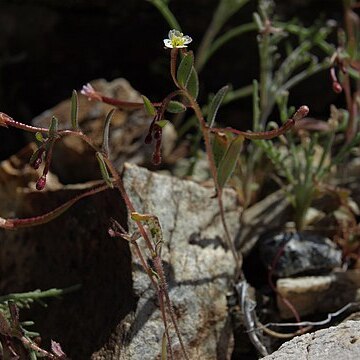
(273, 287)
(126, 105)
(12, 224)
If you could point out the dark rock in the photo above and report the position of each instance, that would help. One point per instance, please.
(299, 253)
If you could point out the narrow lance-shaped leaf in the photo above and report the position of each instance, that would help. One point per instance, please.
(35, 155)
(53, 126)
(74, 110)
(215, 104)
(220, 144)
(149, 107)
(258, 22)
(105, 144)
(175, 107)
(355, 74)
(162, 123)
(164, 347)
(104, 170)
(256, 106)
(185, 69)
(193, 84)
(228, 162)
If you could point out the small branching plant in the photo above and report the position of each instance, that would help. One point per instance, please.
(222, 162)
(16, 341)
(306, 161)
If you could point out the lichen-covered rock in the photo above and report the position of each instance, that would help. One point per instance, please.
(335, 343)
(199, 270)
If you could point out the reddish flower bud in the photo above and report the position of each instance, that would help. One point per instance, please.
(301, 112)
(336, 87)
(111, 232)
(40, 184)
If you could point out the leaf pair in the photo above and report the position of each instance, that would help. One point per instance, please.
(187, 76)
(226, 150)
(173, 107)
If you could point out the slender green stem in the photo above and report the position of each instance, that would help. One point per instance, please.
(319, 173)
(223, 39)
(38, 294)
(166, 13)
(238, 94)
(223, 12)
(304, 75)
(265, 74)
(208, 148)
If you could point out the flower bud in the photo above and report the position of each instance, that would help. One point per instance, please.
(40, 184)
(337, 88)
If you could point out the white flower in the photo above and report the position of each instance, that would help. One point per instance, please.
(90, 92)
(177, 40)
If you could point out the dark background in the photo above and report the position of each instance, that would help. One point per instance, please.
(49, 47)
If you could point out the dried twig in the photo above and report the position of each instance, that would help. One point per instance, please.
(250, 319)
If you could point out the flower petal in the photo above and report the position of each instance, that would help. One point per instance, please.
(167, 43)
(187, 39)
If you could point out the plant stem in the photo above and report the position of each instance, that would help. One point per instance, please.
(222, 40)
(38, 294)
(205, 132)
(166, 13)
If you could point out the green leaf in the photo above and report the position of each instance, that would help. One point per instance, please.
(256, 106)
(35, 156)
(175, 107)
(39, 137)
(228, 162)
(215, 104)
(74, 110)
(53, 126)
(105, 144)
(104, 170)
(149, 107)
(33, 355)
(220, 144)
(162, 123)
(185, 69)
(355, 74)
(164, 347)
(193, 84)
(258, 22)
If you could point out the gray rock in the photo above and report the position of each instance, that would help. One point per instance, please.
(199, 270)
(335, 343)
(302, 253)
